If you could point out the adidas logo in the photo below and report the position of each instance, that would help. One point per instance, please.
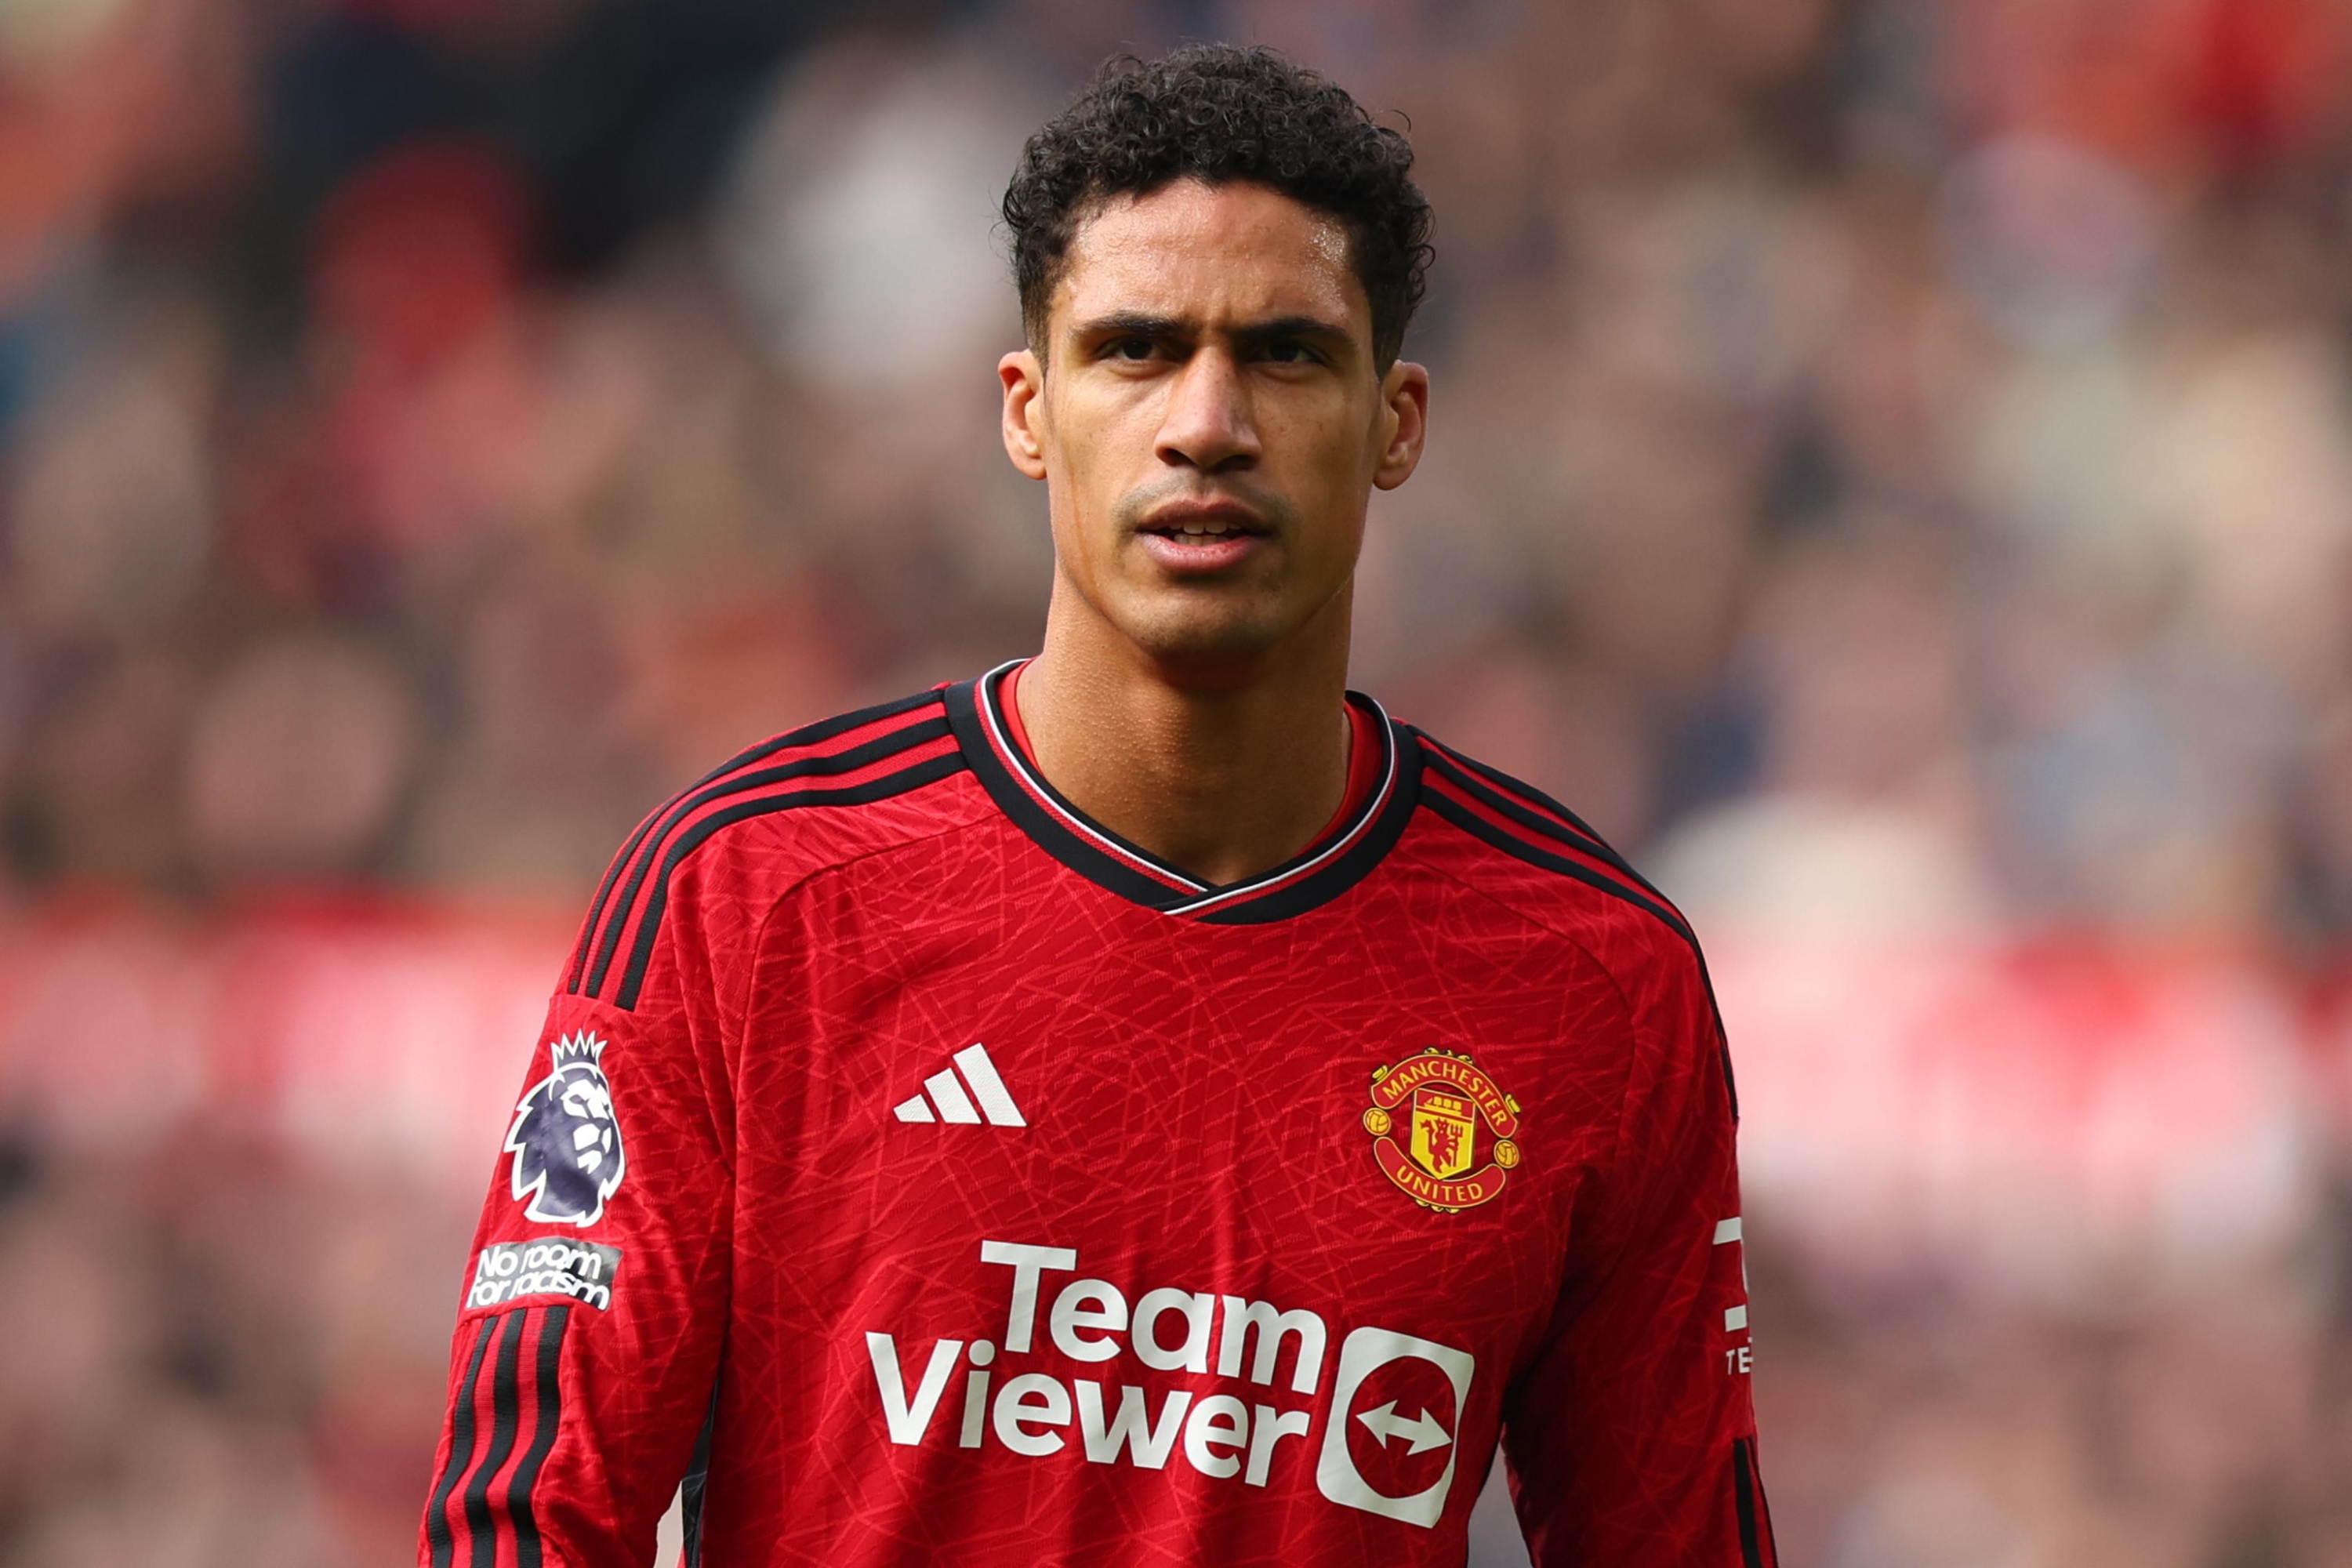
(944, 1090)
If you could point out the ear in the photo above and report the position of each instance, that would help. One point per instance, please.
(1405, 396)
(1025, 385)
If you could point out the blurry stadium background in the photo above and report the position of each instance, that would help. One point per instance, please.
(1892, 470)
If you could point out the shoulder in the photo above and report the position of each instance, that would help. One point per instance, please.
(765, 820)
(1528, 853)
(1525, 850)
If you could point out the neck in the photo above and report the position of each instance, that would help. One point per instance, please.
(1225, 775)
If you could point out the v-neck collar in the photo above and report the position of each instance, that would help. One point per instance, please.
(1326, 868)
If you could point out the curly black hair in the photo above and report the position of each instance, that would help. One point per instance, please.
(1217, 114)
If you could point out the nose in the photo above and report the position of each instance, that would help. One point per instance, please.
(1208, 424)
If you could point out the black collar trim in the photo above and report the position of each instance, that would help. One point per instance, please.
(1314, 877)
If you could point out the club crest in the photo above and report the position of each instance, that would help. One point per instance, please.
(565, 1139)
(1441, 1130)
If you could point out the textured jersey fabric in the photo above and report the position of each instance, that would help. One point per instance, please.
(929, 1176)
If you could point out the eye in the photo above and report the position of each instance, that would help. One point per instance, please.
(1289, 350)
(1132, 348)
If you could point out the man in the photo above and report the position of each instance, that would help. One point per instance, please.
(1144, 1104)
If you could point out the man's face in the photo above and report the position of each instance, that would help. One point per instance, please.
(1210, 422)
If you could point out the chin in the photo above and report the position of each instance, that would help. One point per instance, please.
(1229, 638)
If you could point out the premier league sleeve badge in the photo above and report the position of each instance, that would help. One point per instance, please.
(566, 1141)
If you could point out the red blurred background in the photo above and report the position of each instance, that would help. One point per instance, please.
(1892, 470)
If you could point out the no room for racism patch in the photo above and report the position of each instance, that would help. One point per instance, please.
(577, 1270)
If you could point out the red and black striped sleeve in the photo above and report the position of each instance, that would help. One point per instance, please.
(595, 1303)
(506, 1409)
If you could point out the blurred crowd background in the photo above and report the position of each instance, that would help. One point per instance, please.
(1891, 469)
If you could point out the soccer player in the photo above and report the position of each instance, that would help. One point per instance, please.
(1143, 1105)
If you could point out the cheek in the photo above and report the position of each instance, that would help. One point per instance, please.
(1096, 458)
(1335, 468)
(1072, 503)
(1337, 547)
(1329, 427)
(1117, 426)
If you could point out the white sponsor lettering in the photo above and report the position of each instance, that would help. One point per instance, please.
(975, 1410)
(1072, 1314)
(1242, 1316)
(975, 1394)
(1027, 1263)
(1220, 1421)
(1267, 1428)
(1090, 1322)
(1192, 1354)
(910, 1419)
(1148, 1443)
(1032, 1399)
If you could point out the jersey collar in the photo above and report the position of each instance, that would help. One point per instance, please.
(1320, 873)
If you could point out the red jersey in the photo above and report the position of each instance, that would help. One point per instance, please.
(929, 1176)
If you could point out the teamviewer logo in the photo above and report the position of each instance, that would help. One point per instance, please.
(1398, 1422)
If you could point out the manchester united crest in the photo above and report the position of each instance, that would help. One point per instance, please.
(1441, 1130)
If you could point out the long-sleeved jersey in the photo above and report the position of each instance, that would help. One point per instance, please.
(927, 1174)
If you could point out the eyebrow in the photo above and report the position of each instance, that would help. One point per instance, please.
(1137, 324)
(1131, 324)
(1313, 328)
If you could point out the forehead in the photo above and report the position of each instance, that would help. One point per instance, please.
(1194, 252)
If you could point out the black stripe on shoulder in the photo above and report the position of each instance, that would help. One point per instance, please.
(818, 733)
(461, 1452)
(572, 973)
(1496, 789)
(815, 734)
(905, 738)
(549, 1405)
(1647, 898)
(945, 766)
(1478, 827)
(505, 1389)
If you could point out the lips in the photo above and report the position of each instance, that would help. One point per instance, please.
(1206, 536)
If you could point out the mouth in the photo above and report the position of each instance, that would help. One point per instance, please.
(1203, 536)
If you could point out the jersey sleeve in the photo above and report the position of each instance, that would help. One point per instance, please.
(593, 1303)
(1632, 1437)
